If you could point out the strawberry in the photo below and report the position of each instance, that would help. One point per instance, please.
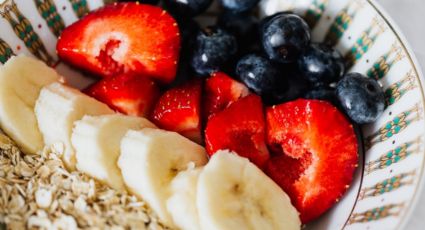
(220, 92)
(179, 110)
(127, 93)
(122, 38)
(315, 151)
(240, 128)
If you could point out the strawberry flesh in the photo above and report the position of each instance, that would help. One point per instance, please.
(315, 154)
(126, 93)
(123, 38)
(179, 110)
(240, 128)
(220, 92)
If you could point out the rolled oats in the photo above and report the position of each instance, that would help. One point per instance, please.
(43, 197)
(37, 192)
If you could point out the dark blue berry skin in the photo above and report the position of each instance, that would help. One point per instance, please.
(214, 47)
(323, 93)
(321, 65)
(259, 74)
(244, 26)
(297, 86)
(238, 5)
(187, 8)
(275, 83)
(264, 22)
(284, 37)
(188, 31)
(361, 98)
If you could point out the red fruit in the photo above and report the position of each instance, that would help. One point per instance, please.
(127, 93)
(179, 110)
(220, 92)
(316, 150)
(122, 38)
(240, 128)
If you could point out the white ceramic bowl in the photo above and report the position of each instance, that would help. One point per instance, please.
(389, 178)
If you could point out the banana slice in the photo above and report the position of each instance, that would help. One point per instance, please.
(96, 140)
(56, 110)
(151, 158)
(234, 194)
(182, 203)
(21, 79)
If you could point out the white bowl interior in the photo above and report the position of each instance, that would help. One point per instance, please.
(390, 171)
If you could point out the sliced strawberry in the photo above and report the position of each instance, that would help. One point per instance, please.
(179, 110)
(220, 92)
(121, 38)
(127, 93)
(240, 128)
(316, 154)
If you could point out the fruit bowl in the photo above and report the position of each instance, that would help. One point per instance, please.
(389, 177)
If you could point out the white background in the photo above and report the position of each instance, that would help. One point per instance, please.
(409, 15)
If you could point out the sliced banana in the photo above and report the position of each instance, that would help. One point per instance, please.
(149, 161)
(56, 110)
(21, 79)
(234, 194)
(182, 203)
(96, 140)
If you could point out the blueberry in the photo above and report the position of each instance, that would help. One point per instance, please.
(187, 8)
(284, 37)
(361, 98)
(238, 5)
(297, 85)
(188, 30)
(267, 19)
(321, 64)
(261, 76)
(244, 26)
(214, 47)
(323, 93)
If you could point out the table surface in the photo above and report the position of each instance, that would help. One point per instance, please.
(409, 16)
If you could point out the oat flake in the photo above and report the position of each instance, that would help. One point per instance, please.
(37, 192)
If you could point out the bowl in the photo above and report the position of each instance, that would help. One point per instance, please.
(390, 173)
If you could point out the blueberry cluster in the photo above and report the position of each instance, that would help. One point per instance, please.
(274, 57)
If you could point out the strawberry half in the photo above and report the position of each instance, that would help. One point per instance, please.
(315, 151)
(179, 110)
(220, 92)
(127, 93)
(240, 128)
(122, 38)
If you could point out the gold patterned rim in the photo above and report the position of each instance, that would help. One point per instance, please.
(419, 75)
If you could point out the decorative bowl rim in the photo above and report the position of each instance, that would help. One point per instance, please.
(421, 79)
